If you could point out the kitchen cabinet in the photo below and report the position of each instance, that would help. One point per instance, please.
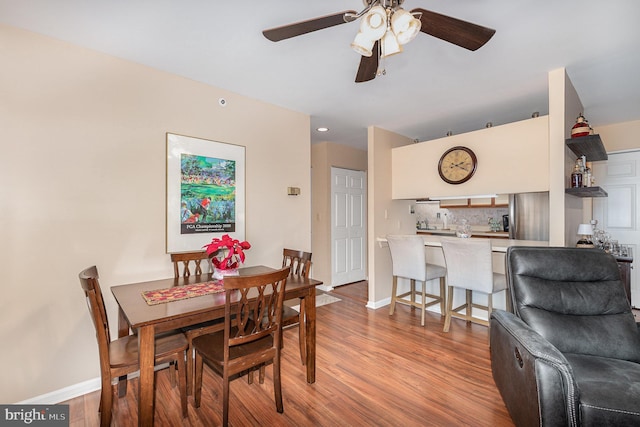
(454, 203)
(481, 202)
(500, 201)
(592, 148)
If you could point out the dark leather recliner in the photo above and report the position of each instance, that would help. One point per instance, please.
(570, 355)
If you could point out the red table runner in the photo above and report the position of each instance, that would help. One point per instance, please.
(176, 293)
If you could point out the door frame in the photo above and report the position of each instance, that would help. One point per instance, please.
(353, 275)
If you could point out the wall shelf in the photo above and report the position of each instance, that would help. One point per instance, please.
(586, 192)
(590, 146)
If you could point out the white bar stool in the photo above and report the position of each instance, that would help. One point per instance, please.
(408, 258)
(470, 267)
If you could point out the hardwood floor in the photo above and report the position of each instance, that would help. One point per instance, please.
(358, 291)
(372, 369)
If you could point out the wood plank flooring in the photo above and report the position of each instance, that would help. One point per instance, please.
(358, 291)
(372, 369)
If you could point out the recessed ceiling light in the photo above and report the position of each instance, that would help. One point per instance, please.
(322, 129)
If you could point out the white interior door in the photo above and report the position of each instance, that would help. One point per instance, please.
(619, 214)
(348, 231)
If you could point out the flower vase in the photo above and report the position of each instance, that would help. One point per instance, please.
(220, 274)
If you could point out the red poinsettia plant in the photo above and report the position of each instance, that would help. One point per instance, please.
(227, 253)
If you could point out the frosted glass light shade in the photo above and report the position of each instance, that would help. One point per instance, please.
(390, 45)
(374, 23)
(362, 44)
(405, 26)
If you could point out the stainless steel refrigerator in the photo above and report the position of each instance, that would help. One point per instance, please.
(529, 216)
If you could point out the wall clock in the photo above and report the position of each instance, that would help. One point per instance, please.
(457, 165)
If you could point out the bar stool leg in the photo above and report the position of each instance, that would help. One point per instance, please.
(447, 319)
(394, 290)
(443, 299)
(423, 307)
(413, 294)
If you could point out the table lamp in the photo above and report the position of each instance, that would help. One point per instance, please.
(586, 230)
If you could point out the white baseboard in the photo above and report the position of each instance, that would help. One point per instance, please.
(76, 390)
(377, 304)
(64, 394)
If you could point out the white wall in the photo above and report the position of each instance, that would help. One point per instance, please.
(83, 183)
(517, 150)
(324, 156)
(385, 216)
(620, 136)
(564, 108)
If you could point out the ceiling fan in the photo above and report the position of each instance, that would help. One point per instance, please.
(384, 28)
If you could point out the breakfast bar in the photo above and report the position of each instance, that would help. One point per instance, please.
(434, 255)
(498, 245)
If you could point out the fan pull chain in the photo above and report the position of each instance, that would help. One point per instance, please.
(381, 70)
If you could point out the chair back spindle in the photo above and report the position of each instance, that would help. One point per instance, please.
(184, 261)
(299, 261)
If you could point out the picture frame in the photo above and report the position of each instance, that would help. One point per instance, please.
(205, 192)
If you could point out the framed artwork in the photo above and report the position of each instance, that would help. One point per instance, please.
(205, 192)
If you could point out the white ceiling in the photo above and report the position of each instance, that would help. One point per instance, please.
(429, 89)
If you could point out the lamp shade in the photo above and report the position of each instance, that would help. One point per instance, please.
(374, 23)
(585, 230)
(390, 45)
(362, 44)
(405, 26)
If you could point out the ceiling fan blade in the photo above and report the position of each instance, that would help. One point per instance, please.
(368, 66)
(462, 33)
(304, 27)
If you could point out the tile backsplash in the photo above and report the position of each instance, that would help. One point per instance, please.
(474, 216)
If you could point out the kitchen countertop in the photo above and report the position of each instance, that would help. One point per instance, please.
(497, 245)
(452, 232)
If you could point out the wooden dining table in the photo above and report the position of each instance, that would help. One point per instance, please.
(148, 320)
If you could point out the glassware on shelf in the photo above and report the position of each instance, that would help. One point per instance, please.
(615, 248)
(606, 243)
(597, 234)
(463, 230)
(598, 239)
(576, 177)
(624, 250)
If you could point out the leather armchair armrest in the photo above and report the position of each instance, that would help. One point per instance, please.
(535, 380)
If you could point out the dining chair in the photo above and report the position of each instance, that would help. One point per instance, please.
(409, 261)
(183, 261)
(182, 264)
(120, 357)
(300, 263)
(470, 267)
(245, 344)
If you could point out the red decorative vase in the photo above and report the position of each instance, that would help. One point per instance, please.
(581, 128)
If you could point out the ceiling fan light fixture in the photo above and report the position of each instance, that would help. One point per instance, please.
(363, 44)
(374, 23)
(390, 45)
(405, 26)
